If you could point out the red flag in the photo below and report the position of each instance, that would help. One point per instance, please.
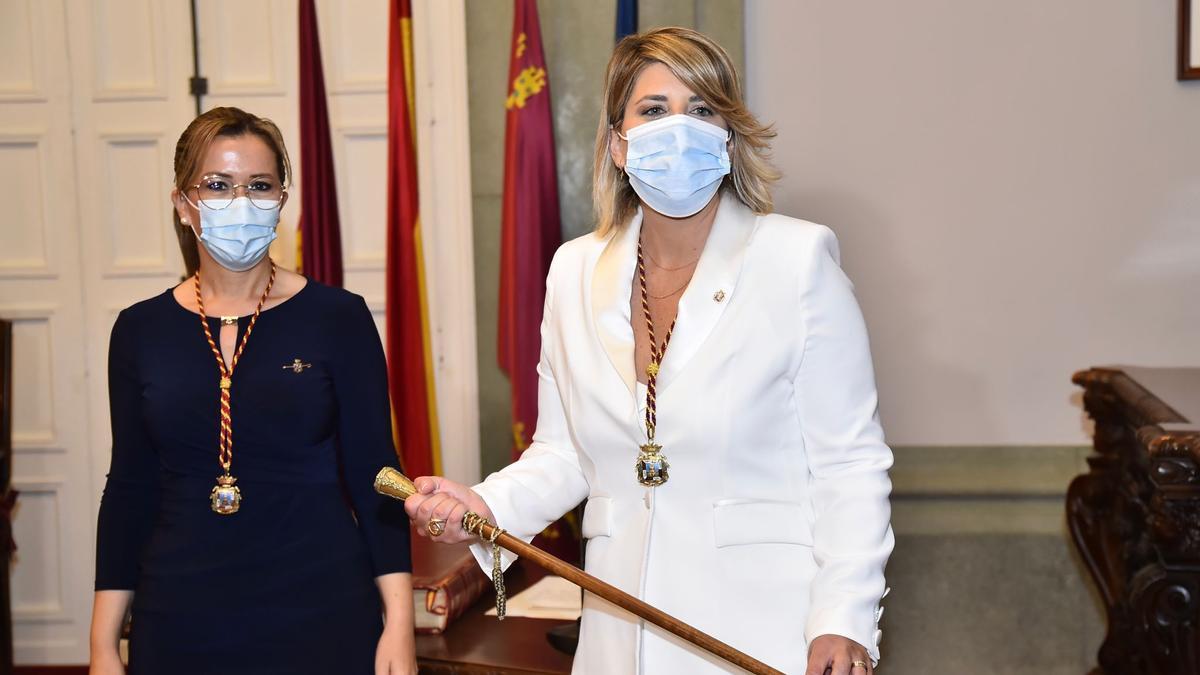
(410, 366)
(530, 229)
(320, 252)
(530, 233)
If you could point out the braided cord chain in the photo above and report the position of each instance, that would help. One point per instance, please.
(656, 352)
(472, 523)
(226, 437)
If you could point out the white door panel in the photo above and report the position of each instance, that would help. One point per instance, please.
(41, 292)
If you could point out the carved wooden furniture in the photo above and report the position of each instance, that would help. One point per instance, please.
(1135, 516)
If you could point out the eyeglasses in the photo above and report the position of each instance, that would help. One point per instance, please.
(218, 192)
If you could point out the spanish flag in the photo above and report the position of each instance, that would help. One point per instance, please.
(410, 364)
(530, 224)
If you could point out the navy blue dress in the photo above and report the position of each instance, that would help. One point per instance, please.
(285, 585)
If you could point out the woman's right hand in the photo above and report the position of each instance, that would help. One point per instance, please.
(443, 499)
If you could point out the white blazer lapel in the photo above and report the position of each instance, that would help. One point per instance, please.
(712, 286)
(612, 284)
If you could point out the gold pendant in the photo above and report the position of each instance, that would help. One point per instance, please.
(652, 465)
(226, 497)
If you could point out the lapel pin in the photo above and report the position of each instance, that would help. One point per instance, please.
(297, 366)
(719, 296)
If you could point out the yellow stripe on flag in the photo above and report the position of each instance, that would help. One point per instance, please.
(435, 441)
(422, 285)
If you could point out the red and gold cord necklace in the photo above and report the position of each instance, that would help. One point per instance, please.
(226, 497)
(651, 464)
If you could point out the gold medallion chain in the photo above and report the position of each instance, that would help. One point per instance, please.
(226, 498)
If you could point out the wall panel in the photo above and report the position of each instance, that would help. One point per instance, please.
(133, 187)
(128, 52)
(37, 571)
(242, 47)
(983, 561)
(34, 419)
(24, 239)
(21, 67)
(362, 196)
(354, 46)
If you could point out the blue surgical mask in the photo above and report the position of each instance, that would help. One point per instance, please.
(675, 164)
(239, 235)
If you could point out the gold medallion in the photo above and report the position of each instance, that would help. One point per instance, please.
(226, 497)
(652, 465)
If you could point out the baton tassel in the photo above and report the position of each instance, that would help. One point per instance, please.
(472, 523)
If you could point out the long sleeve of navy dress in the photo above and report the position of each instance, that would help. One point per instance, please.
(286, 584)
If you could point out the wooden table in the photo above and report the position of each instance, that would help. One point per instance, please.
(1135, 516)
(476, 643)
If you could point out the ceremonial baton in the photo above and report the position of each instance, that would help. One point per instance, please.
(392, 483)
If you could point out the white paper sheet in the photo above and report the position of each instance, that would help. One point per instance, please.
(551, 598)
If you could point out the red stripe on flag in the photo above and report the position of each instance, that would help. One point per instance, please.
(408, 372)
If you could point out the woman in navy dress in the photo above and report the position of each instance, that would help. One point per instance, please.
(249, 416)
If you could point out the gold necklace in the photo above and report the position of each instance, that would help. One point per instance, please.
(651, 464)
(677, 290)
(670, 269)
(226, 498)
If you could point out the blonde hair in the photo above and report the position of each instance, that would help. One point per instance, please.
(193, 144)
(705, 68)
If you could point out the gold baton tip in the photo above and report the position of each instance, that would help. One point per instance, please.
(394, 484)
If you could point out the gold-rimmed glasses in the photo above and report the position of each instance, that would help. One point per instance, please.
(217, 192)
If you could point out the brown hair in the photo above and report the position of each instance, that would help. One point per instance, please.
(705, 68)
(193, 145)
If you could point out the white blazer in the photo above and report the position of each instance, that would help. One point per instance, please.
(774, 526)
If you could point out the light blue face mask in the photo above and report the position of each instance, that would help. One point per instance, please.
(675, 164)
(239, 235)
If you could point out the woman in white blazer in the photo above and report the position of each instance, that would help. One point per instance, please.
(706, 385)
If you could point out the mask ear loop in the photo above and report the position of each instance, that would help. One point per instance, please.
(188, 222)
(612, 129)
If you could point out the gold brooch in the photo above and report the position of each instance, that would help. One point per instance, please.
(718, 296)
(297, 366)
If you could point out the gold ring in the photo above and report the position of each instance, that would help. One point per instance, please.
(858, 664)
(435, 527)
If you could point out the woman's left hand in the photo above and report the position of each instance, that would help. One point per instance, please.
(836, 655)
(395, 654)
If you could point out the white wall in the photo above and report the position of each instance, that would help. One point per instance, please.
(1016, 186)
